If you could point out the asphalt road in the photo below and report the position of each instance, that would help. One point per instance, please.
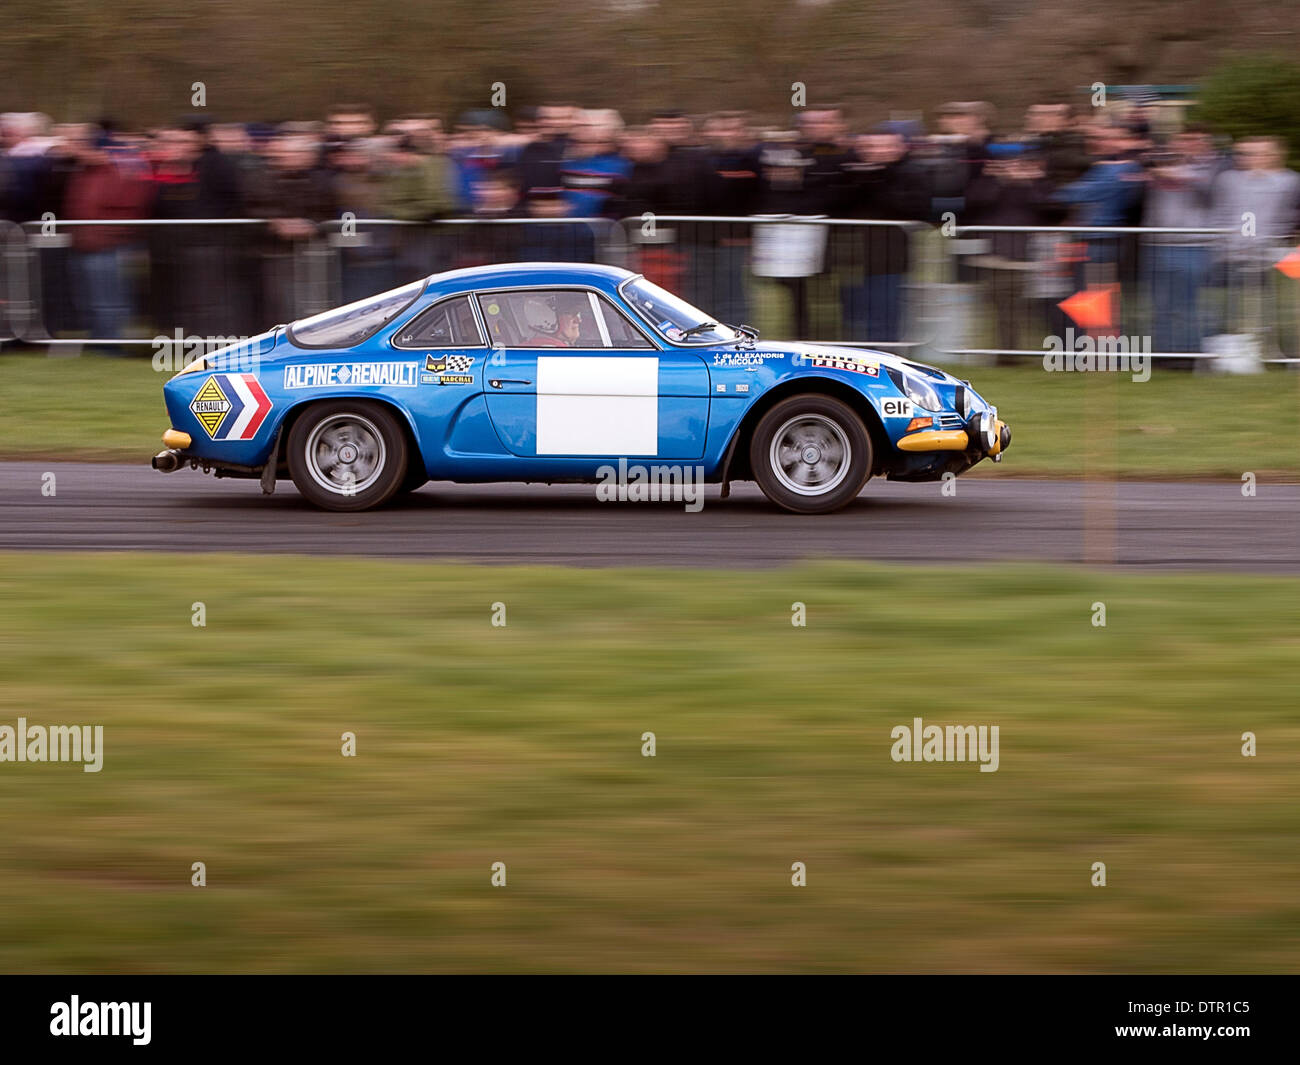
(1151, 525)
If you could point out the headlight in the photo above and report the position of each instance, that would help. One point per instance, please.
(920, 392)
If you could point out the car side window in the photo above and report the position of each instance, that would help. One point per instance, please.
(449, 324)
(622, 333)
(542, 318)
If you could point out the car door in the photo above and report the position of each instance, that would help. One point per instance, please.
(570, 376)
(447, 408)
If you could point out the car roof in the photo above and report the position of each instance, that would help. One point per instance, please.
(605, 278)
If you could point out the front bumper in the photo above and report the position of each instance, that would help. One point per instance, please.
(935, 440)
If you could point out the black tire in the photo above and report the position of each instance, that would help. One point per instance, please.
(415, 477)
(347, 454)
(824, 458)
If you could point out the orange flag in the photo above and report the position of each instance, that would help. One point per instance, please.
(1093, 307)
(1290, 264)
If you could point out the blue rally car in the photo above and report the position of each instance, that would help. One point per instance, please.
(549, 371)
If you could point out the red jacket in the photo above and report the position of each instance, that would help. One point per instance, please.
(106, 190)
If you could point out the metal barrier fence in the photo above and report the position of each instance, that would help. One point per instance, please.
(128, 283)
(1185, 295)
(984, 293)
(121, 283)
(11, 270)
(372, 254)
(836, 280)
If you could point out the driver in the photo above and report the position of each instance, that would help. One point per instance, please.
(552, 327)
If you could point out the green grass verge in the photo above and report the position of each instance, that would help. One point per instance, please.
(522, 745)
(93, 407)
(1175, 425)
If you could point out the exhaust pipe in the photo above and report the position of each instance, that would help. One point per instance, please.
(168, 461)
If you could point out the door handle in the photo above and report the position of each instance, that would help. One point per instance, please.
(497, 382)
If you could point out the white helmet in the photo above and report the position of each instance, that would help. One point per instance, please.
(540, 315)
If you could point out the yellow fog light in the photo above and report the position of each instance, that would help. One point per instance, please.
(175, 438)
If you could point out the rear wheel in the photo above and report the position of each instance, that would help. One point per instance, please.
(811, 454)
(347, 455)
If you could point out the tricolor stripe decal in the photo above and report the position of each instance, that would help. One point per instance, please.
(248, 406)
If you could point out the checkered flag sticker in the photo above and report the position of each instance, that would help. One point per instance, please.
(459, 363)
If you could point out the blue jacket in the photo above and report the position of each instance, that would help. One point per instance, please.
(595, 186)
(1107, 193)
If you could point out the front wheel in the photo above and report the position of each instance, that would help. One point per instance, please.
(347, 455)
(811, 454)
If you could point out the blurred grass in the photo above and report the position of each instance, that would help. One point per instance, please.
(1178, 425)
(522, 744)
(91, 407)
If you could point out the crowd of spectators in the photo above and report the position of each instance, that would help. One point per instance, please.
(1118, 166)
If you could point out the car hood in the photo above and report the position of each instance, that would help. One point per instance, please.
(884, 358)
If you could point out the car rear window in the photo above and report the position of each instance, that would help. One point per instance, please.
(449, 324)
(345, 326)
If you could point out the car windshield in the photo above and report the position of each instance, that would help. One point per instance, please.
(345, 326)
(674, 317)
